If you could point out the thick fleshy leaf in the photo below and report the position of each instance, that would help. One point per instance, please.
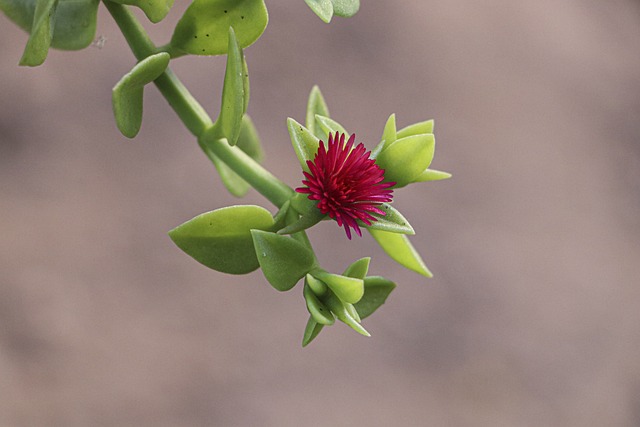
(358, 269)
(311, 331)
(432, 175)
(405, 159)
(345, 8)
(400, 249)
(41, 33)
(416, 129)
(348, 289)
(317, 286)
(305, 221)
(322, 8)
(330, 126)
(338, 308)
(316, 105)
(304, 142)
(221, 239)
(156, 10)
(393, 221)
(245, 84)
(232, 108)
(248, 142)
(284, 260)
(352, 311)
(317, 309)
(75, 20)
(127, 95)
(203, 29)
(376, 291)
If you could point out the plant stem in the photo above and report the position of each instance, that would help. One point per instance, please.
(194, 116)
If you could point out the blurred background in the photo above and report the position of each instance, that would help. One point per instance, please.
(532, 318)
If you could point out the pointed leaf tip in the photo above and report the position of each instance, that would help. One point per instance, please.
(284, 261)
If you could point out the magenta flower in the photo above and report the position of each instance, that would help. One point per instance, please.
(346, 183)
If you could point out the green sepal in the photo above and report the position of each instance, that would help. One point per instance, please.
(305, 221)
(317, 309)
(406, 158)
(416, 129)
(322, 8)
(41, 33)
(284, 261)
(393, 221)
(249, 142)
(127, 94)
(338, 308)
(388, 136)
(329, 125)
(75, 20)
(305, 143)
(232, 109)
(345, 8)
(311, 331)
(400, 249)
(203, 29)
(358, 269)
(348, 289)
(316, 105)
(376, 291)
(156, 10)
(222, 240)
(432, 175)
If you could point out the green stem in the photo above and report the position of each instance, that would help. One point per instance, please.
(276, 191)
(194, 116)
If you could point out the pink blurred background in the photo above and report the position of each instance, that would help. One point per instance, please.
(532, 318)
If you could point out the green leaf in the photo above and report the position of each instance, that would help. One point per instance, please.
(304, 142)
(352, 312)
(345, 8)
(156, 10)
(245, 84)
(400, 249)
(348, 289)
(416, 129)
(127, 95)
(311, 331)
(75, 20)
(330, 126)
(221, 239)
(393, 221)
(41, 33)
(406, 158)
(317, 286)
(316, 105)
(307, 220)
(432, 175)
(248, 142)
(338, 308)
(317, 309)
(376, 291)
(232, 109)
(203, 29)
(284, 260)
(358, 269)
(322, 8)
